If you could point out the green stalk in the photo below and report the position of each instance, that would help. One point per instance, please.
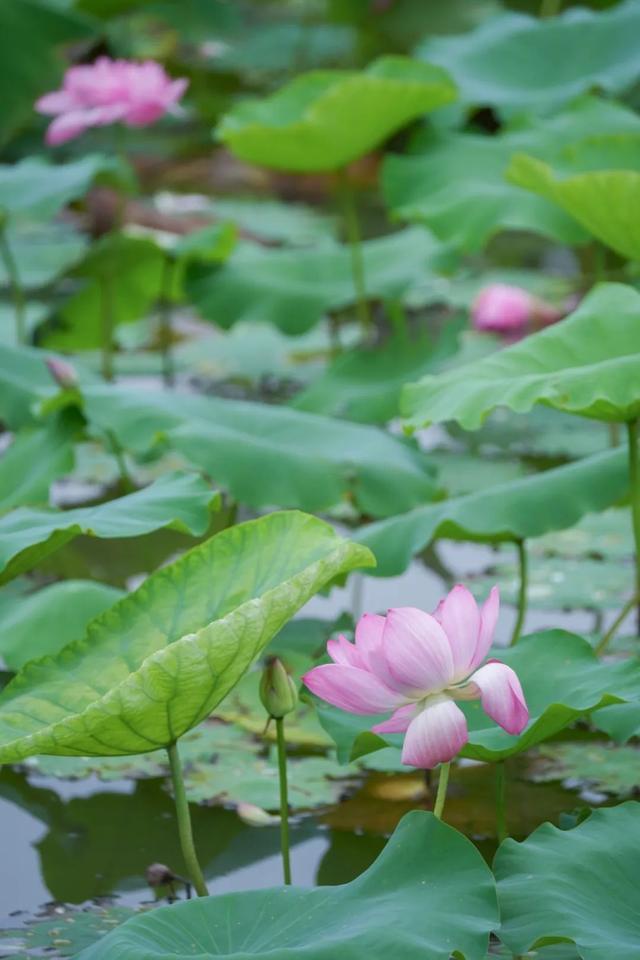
(107, 325)
(501, 812)
(634, 481)
(550, 8)
(17, 292)
(615, 626)
(523, 566)
(284, 800)
(184, 823)
(443, 782)
(352, 226)
(168, 368)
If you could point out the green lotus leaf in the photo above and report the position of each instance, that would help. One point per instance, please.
(42, 623)
(604, 202)
(577, 885)
(268, 455)
(364, 384)
(293, 289)
(562, 679)
(604, 767)
(42, 252)
(515, 510)
(27, 389)
(325, 119)
(588, 364)
(163, 658)
(180, 501)
(39, 189)
(36, 458)
(429, 894)
(499, 63)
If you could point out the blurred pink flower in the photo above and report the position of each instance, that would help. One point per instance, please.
(510, 311)
(109, 91)
(418, 665)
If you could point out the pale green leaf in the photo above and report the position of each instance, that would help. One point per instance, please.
(35, 458)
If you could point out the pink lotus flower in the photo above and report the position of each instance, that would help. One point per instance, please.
(510, 311)
(109, 91)
(418, 665)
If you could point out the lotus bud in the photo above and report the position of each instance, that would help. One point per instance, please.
(278, 691)
(63, 373)
(255, 816)
(511, 311)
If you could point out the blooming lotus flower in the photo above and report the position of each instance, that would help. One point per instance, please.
(418, 665)
(109, 91)
(509, 311)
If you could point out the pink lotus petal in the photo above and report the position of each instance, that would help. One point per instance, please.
(435, 736)
(345, 653)
(417, 651)
(460, 619)
(502, 308)
(501, 696)
(59, 101)
(67, 126)
(369, 630)
(488, 620)
(351, 689)
(400, 720)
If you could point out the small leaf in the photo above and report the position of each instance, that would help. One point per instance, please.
(578, 885)
(180, 501)
(429, 894)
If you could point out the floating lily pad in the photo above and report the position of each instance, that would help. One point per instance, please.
(324, 120)
(594, 766)
(577, 885)
(64, 932)
(607, 535)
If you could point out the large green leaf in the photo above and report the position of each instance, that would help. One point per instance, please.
(604, 201)
(37, 188)
(501, 62)
(42, 252)
(578, 885)
(325, 119)
(42, 623)
(158, 662)
(562, 679)
(515, 510)
(34, 460)
(293, 289)
(180, 501)
(269, 455)
(588, 364)
(428, 895)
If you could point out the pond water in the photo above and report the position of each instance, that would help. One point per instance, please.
(71, 841)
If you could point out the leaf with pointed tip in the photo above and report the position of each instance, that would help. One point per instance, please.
(562, 679)
(268, 455)
(427, 896)
(588, 364)
(294, 288)
(325, 119)
(516, 510)
(163, 658)
(578, 885)
(180, 501)
(42, 623)
(499, 63)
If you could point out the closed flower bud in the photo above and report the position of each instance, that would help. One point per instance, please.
(278, 691)
(62, 372)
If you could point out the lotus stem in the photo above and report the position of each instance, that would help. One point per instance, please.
(168, 367)
(614, 434)
(352, 226)
(284, 801)
(125, 477)
(634, 481)
(441, 794)
(523, 566)
(17, 291)
(550, 8)
(615, 626)
(183, 817)
(501, 811)
(107, 325)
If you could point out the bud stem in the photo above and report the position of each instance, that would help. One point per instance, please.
(184, 823)
(284, 800)
(443, 782)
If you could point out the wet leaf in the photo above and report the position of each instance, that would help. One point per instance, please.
(577, 885)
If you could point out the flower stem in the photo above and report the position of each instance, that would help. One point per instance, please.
(615, 626)
(501, 812)
(17, 292)
(107, 324)
(352, 226)
(634, 480)
(184, 823)
(441, 794)
(523, 566)
(168, 369)
(550, 8)
(284, 801)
